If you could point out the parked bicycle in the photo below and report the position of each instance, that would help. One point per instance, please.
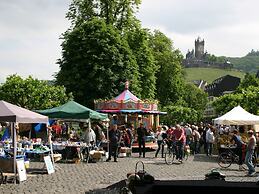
(229, 157)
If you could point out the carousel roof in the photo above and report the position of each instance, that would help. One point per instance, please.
(127, 95)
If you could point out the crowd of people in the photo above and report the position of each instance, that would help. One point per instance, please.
(202, 138)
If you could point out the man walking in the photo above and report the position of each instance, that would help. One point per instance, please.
(114, 140)
(250, 152)
(141, 133)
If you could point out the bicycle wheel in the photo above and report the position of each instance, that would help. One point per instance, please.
(169, 157)
(225, 160)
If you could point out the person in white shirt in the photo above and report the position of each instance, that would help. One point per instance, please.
(196, 138)
(210, 138)
(88, 136)
(159, 136)
(188, 134)
(249, 153)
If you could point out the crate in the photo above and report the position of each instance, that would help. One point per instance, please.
(125, 152)
(97, 155)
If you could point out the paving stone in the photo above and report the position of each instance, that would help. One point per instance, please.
(86, 177)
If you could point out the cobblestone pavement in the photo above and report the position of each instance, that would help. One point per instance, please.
(84, 177)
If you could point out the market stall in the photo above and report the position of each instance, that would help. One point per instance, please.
(235, 117)
(14, 114)
(72, 111)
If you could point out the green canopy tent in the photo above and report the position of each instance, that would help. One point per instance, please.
(72, 110)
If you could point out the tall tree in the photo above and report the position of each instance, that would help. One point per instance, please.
(119, 13)
(168, 60)
(138, 40)
(105, 46)
(32, 93)
(96, 62)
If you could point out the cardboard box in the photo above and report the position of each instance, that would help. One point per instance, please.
(97, 155)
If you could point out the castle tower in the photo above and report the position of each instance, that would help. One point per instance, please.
(199, 48)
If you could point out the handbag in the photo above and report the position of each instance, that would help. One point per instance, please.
(143, 176)
(139, 178)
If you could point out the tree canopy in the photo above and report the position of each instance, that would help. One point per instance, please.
(96, 62)
(32, 93)
(106, 45)
(168, 60)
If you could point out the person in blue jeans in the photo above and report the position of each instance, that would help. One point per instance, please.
(250, 152)
(160, 140)
(236, 139)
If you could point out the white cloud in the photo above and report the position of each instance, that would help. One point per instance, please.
(229, 27)
(29, 37)
(30, 30)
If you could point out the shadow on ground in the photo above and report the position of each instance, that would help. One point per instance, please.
(205, 158)
(112, 189)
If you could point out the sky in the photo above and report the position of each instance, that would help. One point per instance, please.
(30, 30)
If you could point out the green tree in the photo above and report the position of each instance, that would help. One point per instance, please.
(138, 42)
(250, 100)
(32, 93)
(195, 98)
(119, 13)
(249, 80)
(170, 83)
(178, 114)
(96, 61)
(104, 47)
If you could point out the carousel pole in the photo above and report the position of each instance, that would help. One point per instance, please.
(88, 146)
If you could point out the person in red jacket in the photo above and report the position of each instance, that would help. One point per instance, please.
(180, 139)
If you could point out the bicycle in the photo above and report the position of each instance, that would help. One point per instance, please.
(228, 157)
(170, 153)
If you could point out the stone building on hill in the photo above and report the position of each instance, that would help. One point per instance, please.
(199, 58)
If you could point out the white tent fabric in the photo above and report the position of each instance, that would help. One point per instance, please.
(237, 116)
(13, 113)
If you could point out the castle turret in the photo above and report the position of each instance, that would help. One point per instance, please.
(199, 48)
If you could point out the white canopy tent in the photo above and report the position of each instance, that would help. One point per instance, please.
(237, 116)
(12, 113)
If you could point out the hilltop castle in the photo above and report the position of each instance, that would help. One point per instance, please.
(199, 58)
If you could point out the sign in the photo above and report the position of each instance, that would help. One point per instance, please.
(21, 170)
(49, 165)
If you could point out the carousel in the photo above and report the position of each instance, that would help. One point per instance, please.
(127, 108)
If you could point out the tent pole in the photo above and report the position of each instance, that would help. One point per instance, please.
(30, 134)
(14, 150)
(51, 148)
